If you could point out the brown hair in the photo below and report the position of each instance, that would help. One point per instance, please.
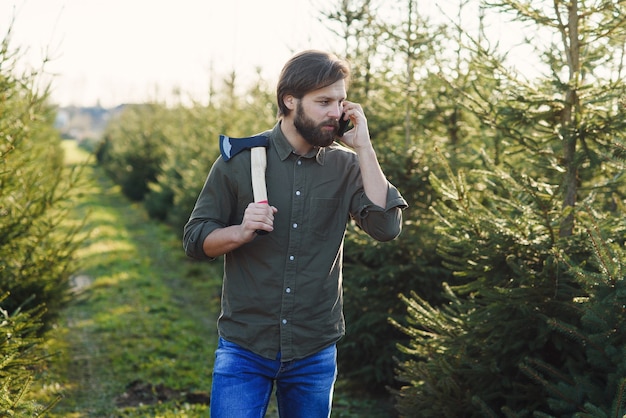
(308, 71)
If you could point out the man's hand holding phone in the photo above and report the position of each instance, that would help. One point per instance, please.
(353, 130)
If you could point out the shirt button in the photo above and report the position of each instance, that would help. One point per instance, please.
(299, 162)
(295, 226)
(284, 321)
(297, 192)
(291, 257)
(288, 290)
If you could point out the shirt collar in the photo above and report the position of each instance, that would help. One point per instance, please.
(284, 148)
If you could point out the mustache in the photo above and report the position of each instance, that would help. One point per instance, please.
(333, 122)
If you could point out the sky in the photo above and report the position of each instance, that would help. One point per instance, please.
(110, 52)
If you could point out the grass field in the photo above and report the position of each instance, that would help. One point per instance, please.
(139, 338)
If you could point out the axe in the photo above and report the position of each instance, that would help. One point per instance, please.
(257, 145)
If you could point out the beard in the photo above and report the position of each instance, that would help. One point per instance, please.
(312, 132)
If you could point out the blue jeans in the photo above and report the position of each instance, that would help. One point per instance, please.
(243, 383)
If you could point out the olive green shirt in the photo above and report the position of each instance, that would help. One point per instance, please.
(282, 292)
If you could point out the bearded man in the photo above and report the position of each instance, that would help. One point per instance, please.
(282, 297)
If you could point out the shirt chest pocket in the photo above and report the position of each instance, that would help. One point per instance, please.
(326, 217)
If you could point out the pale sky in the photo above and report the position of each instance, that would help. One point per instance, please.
(124, 51)
(120, 51)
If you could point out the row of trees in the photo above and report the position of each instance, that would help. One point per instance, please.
(505, 293)
(37, 245)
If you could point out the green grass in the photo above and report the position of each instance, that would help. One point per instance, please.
(143, 313)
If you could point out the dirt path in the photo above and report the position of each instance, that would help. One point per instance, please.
(134, 284)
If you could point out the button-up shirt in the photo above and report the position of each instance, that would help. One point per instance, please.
(282, 292)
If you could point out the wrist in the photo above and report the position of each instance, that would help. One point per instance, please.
(365, 150)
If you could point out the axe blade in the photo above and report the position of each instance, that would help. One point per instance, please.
(229, 147)
(225, 147)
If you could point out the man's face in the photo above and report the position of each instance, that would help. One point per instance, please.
(317, 114)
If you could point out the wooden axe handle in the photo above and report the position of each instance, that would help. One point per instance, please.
(258, 164)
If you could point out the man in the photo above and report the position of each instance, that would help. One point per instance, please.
(282, 291)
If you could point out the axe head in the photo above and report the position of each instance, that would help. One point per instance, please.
(229, 147)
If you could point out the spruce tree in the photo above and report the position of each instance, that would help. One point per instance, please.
(595, 385)
(37, 243)
(535, 328)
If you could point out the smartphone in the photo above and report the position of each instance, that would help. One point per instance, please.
(344, 126)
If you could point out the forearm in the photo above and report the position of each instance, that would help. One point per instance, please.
(257, 217)
(374, 181)
(222, 241)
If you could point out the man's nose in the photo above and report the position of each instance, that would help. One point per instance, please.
(336, 111)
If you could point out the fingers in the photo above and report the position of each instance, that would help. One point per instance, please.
(352, 110)
(258, 217)
(358, 136)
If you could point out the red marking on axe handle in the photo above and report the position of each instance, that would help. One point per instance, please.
(258, 164)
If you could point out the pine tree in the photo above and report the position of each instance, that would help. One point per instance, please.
(535, 327)
(499, 239)
(37, 244)
(596, 384)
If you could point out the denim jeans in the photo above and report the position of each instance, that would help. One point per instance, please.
(243, 383)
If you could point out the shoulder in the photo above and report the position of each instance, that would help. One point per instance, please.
(340, 152)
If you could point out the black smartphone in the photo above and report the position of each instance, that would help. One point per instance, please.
(344, 126)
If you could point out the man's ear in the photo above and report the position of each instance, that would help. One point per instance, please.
(289, 101)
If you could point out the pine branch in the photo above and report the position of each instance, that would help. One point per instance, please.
(603, 252)
(551, 370)
(574, 333)
(484, 408)
(620, 401)
(534, 375)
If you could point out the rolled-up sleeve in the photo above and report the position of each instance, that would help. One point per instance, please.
(211, 211)
(382, 224)
(194, 234)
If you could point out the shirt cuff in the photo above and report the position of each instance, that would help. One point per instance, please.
(394, 200)
(194, 239)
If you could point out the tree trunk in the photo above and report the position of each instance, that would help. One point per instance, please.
(571, 43)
